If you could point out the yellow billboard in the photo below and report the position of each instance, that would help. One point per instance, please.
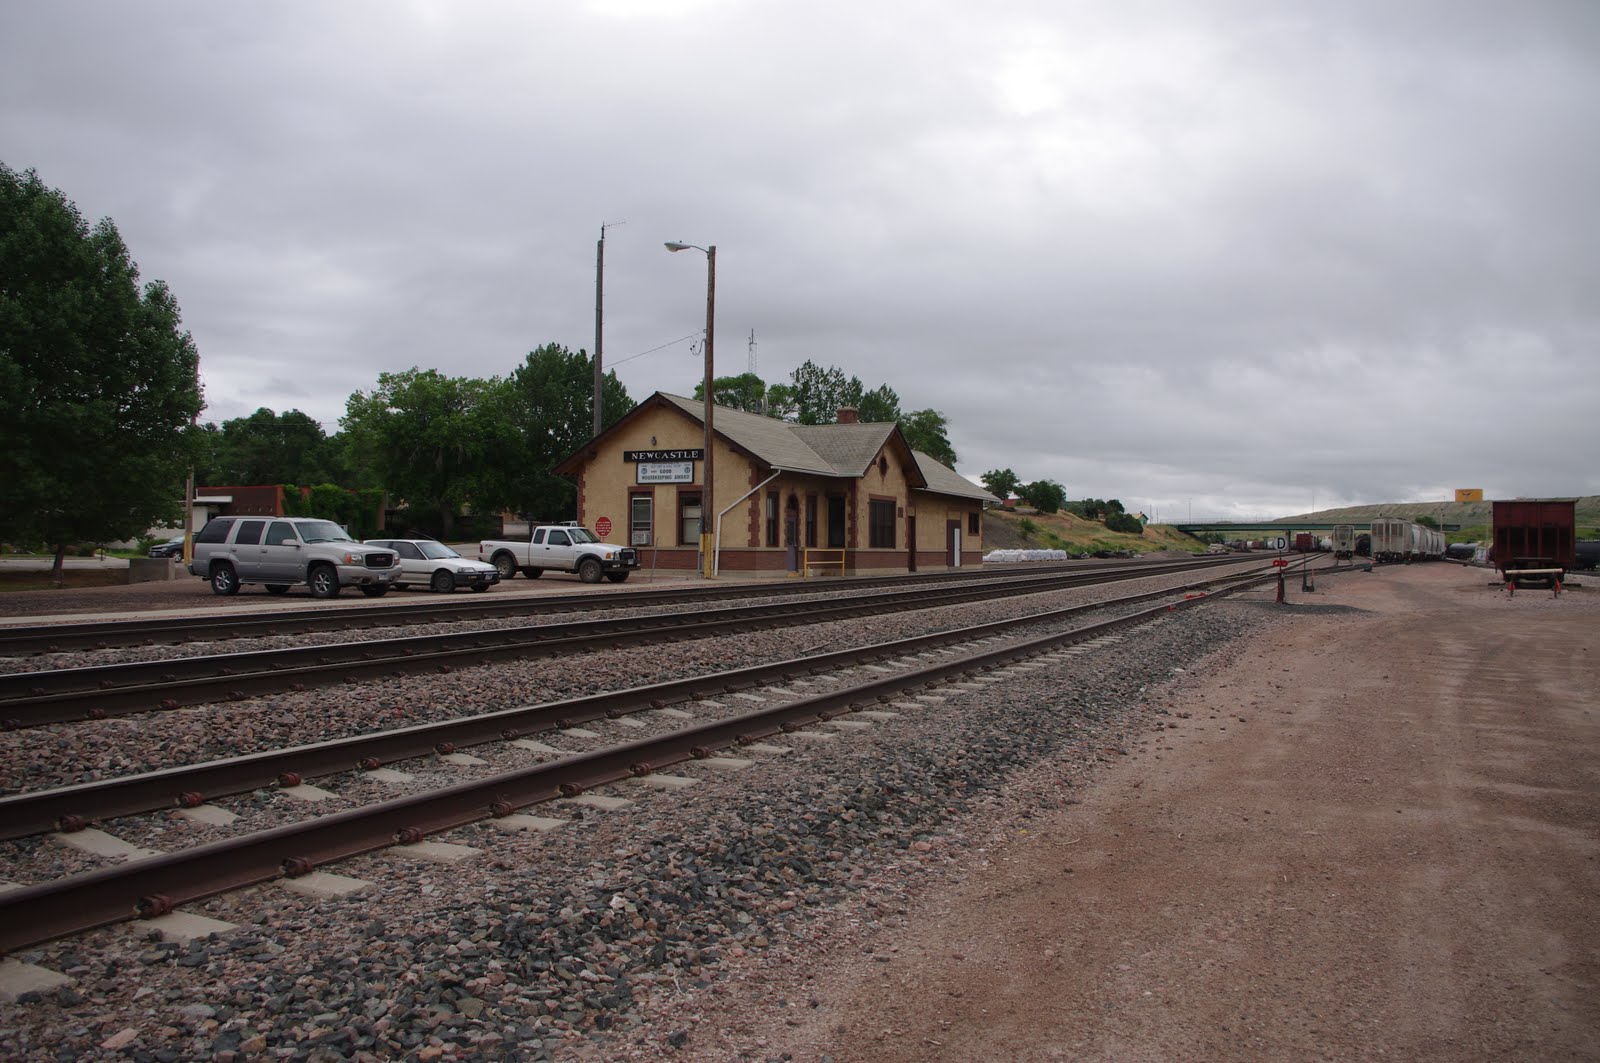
(1469, 494)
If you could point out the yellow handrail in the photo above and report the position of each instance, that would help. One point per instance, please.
(807, 564)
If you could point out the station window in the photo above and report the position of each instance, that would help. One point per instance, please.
(880, 527)
(772, 518)
(972, 524)
(689, 519)
(641, 520)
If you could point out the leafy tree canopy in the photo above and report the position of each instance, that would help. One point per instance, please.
(550, 411)
(926, 430)
(1002, 483)
(269, 448)
(747, 392)
(430, 440)
(98, 385)
(1044, 495)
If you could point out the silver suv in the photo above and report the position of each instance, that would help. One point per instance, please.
(282, 552)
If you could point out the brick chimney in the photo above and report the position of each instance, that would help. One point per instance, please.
(847, 415)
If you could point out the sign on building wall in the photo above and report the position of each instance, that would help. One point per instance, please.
(694, 454)
(1469, 494)
(666, 472)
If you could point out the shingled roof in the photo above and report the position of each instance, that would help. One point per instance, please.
(820, 450)
(842, 450)
(946, 481)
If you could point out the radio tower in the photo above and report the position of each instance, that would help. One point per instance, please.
(750, 367)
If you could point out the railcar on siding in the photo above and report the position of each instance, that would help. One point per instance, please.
(1535, 539)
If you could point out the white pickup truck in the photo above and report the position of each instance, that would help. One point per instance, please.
(560, 548)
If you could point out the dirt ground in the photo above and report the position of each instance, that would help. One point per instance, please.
(1376, 836)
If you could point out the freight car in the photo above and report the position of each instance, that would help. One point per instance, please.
(1396, 539)
(1344, 541)
(1391, 539)
(1535, 539)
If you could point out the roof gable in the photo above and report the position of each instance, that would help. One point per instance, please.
(839, 450)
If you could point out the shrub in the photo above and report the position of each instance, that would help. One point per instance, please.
(1124, 522)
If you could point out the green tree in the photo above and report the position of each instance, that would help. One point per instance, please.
(433, 442)
(819, 393)
(925, 431)
(1428, 522)
(1044, 495)
(880, 405)
(747, 392)
(783, 403)
(98, 382)
(1002, 483)
(269, 448)
(551, 409)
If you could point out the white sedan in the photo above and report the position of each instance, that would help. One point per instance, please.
(425, 561)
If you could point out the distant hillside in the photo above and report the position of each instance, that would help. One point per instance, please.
(1005, 530)
(1467, 514)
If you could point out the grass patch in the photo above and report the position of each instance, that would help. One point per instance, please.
(73, 577)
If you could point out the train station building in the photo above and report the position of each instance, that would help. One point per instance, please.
(848, 498)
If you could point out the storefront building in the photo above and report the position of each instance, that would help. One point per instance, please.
(846, 497)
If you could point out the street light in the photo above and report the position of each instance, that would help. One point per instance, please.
(707, 547)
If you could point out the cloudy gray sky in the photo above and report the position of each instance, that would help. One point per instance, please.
(1227, 259)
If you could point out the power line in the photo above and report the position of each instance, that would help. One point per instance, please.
(664, 346)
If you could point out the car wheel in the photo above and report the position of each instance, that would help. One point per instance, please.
(277, 588)
(324, 582)
(374, 590)
(224, 580)
(506, 565)
(480, 587)
(617, 577)
(443, 582)
(533, 573)
(589, 570)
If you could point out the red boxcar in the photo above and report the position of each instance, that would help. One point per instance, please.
(1534, 536)
(1305, 542)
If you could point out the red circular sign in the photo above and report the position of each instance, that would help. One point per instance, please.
(602, 527)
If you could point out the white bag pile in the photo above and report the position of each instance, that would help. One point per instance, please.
(1007, 556)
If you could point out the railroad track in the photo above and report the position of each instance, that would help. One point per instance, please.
(31, 699)
(31, 640)
(155, 885)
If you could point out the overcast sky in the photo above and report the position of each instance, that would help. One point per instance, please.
(1219, 259)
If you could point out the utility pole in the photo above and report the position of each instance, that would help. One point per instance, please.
(599, 315)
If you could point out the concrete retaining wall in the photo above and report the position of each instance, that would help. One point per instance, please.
(152, 569)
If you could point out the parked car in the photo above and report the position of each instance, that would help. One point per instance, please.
(173, 547)
(429, 563)
(282, 552)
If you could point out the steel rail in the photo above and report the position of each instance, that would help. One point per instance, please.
(29, 699)
(20, 641)
(79, 805)
(155, 885)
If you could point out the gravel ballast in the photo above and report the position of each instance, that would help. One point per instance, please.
(569, 944)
